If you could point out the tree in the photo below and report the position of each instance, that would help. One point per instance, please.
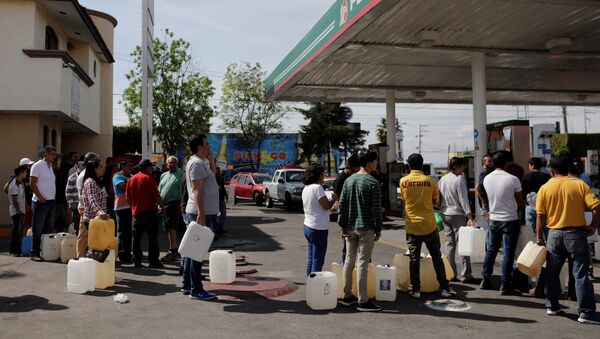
(328, 127)
(382, 130)
(180, 95)
(244, 108)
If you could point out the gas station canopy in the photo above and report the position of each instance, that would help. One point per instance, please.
(537, 52)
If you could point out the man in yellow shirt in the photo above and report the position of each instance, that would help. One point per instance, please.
(420, 194)
(560, 206)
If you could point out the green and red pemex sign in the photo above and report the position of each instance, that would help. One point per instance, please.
(341, 16)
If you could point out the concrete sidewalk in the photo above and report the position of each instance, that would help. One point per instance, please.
(34, 301)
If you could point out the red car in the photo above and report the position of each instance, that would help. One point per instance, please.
(248, 186)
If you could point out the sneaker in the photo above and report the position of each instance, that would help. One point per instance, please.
(505, 290)
(36, 258)
(369, 306)
(554, 312)
(448, 293)
(588, 318)
(415, 294)
(203, 295)
(486, 285)
(348, 301)
(156, 265)
(185, 291)
(171, 256)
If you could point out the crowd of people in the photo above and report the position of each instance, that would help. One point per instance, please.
(552, 202)
(50, 194)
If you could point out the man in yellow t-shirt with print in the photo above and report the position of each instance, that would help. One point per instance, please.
(561, 204)
(420, 193)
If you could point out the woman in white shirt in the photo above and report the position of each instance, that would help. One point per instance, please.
(316, 217)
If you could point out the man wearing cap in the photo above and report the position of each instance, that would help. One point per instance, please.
(144, 198)
(44, 192)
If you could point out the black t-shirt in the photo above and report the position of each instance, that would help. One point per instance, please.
(533, 181)
(338, 184)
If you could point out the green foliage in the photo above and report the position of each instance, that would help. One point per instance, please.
(382, 130)
(244, 108)
(127, 139)
(180, 96)
(327, 126)
(574, 145)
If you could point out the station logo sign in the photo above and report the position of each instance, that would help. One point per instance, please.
(344, 12)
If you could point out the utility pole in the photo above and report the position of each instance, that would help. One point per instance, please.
(564, 114)
(147, 76)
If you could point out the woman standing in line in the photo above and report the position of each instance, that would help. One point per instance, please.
(316, 217)
(93, 196)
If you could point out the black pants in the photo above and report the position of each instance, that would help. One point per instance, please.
(432, 241)
(124, 233)
(16, 233)
(146, 222)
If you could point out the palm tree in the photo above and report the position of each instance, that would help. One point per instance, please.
(382, 130)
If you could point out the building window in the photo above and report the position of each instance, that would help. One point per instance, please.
(51, 39)
(54, 137)
(46, 135)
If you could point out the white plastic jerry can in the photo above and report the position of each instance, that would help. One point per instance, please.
(196, 242)
(81, 275)
(105, 272)
(525, 235)
(222, 267)
(49, 247)
(385, 283)
(471, 241)
(68, 249)
(321, 290)
(531, 260)
(338, 270)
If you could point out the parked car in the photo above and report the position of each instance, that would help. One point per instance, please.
(328, 187)
(286, 186)
(249, 186)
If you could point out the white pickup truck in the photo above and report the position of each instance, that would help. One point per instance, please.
(286, 186)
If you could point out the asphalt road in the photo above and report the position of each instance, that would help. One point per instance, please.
(34, 301)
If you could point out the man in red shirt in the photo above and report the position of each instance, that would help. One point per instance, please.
(145, 201)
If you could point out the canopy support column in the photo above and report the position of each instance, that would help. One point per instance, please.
(392, 153)
(479, 114)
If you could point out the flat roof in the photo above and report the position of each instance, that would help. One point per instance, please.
(538, 52)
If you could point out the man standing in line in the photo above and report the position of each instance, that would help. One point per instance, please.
(170, 193)
(145, 201)
(504, 199)
(560, 206)
(16, 208)
(43, 184)
(352, 166)
(223, 197)
(361, 221)
(487, 168)
(123, 211)
(456, 212)
(72, 195)
(420, 194)
(202, 208)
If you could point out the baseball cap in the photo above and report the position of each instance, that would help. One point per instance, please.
(25, 161)
(145, 163)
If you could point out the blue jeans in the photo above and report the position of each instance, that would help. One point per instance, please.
(192, 269)
(41, 223)
(499, 232)
(562, 244)
(16, 232)
(124, 233)
(220, 222)
(317, 247)
(530, 216)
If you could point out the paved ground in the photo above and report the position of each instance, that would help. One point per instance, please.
(34, 301)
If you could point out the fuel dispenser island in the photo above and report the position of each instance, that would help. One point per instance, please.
(512, 136)
(390, 174)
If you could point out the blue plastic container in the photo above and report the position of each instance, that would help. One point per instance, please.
(26, 244)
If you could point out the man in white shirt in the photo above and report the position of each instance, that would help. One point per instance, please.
(43, 185)
(455, 213)
(505, 199)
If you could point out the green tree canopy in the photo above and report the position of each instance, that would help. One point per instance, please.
(382, 130)
(244, 108)
(328, 127)
(180, 96)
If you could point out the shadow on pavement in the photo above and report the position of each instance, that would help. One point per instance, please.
(27, 303)
(129, 286)
(7, 274)
(249, 228)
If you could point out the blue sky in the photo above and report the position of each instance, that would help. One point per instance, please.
(229, 31)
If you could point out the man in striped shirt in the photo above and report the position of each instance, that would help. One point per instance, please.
(72, 195)
(361, 220)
